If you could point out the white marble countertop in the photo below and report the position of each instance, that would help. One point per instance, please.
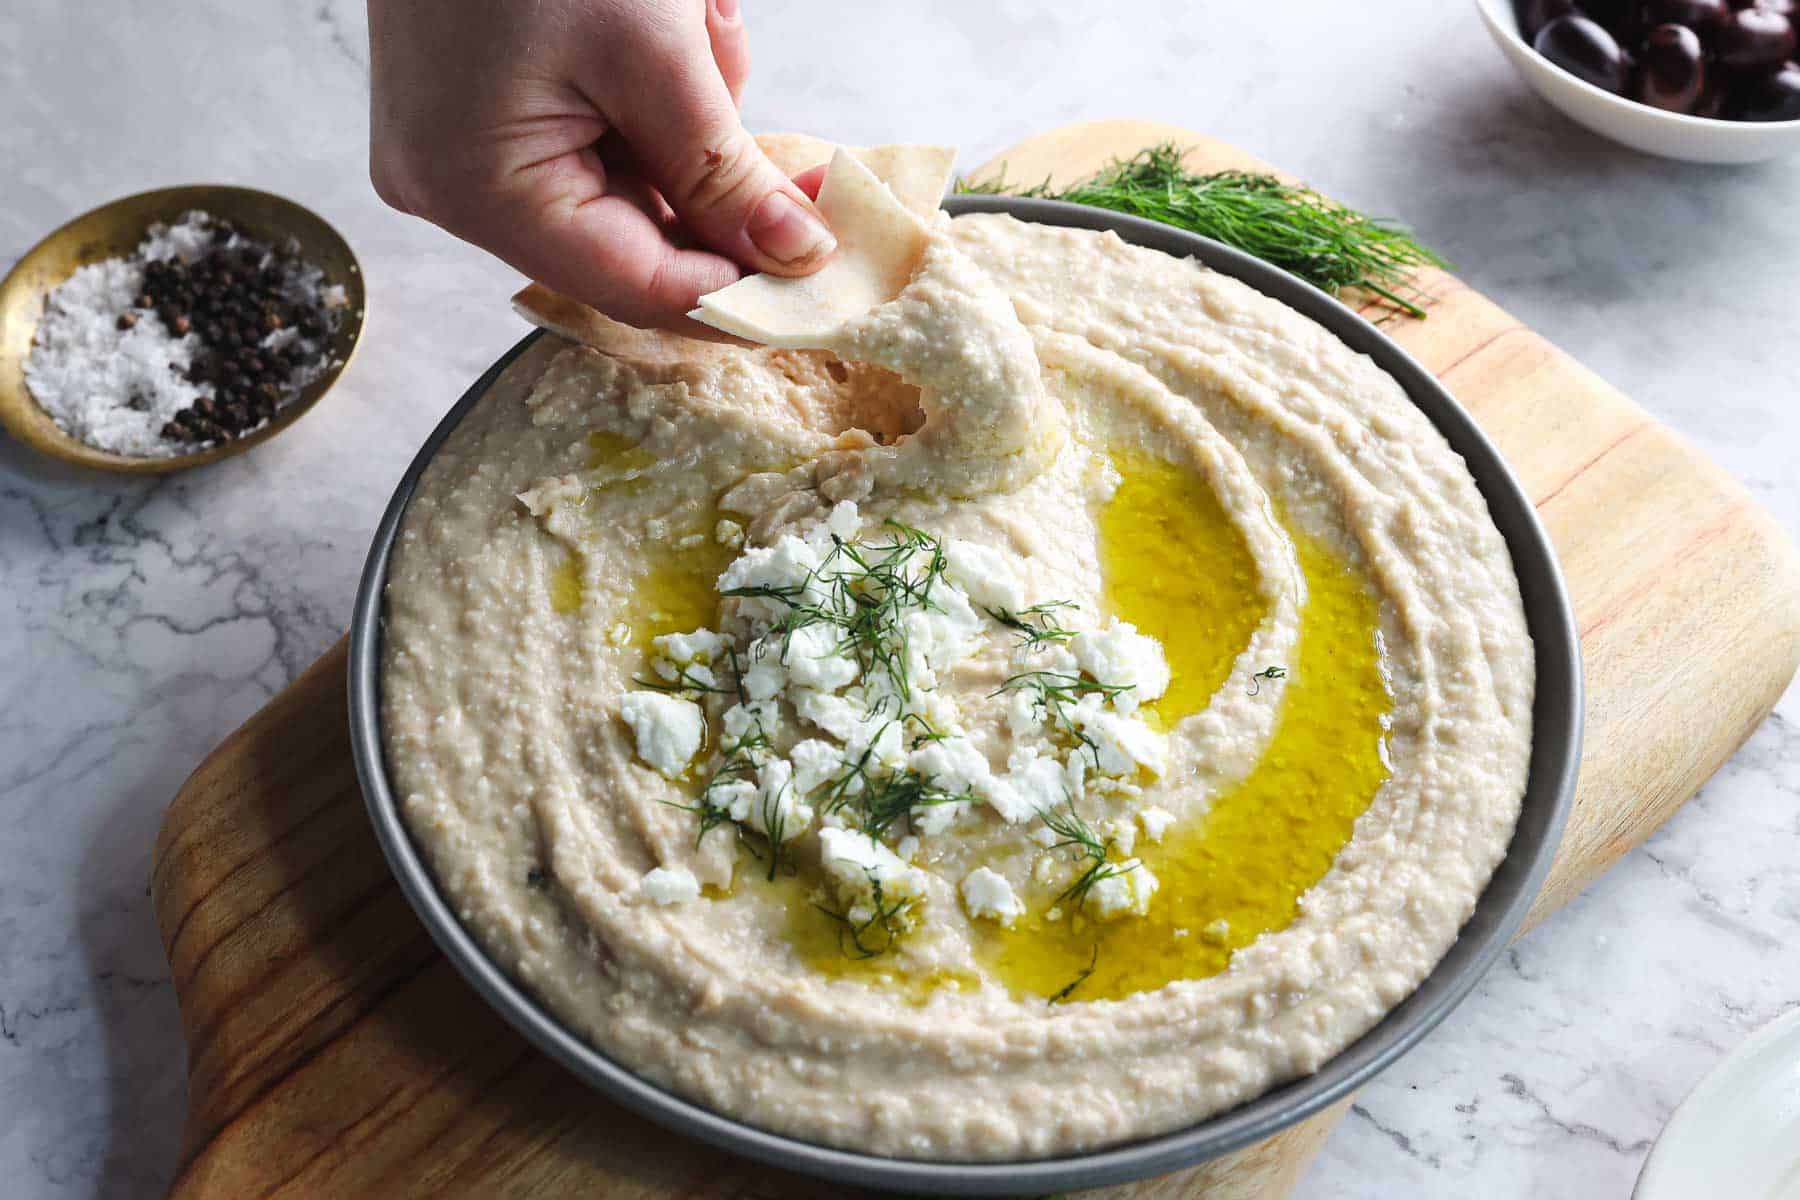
(152, 618)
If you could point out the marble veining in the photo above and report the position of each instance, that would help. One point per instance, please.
(148, 619)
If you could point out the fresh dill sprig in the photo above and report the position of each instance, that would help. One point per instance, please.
(1056, 691)
(1079, 836)
(1255, 688)
(880, 799)
(1297, 229)
(1080, 979)
(1036, 626)
(741, 758)
(866, 588)
(684, 682)
(882, 927)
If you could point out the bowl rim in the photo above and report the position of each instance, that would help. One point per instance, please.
(1499, 913)
(1675, 1146)
(28, 423)
(1505, 23)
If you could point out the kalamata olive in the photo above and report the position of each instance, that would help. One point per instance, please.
(1716, 97)
(1672, 71)
(1535, 14)
(1616, 16)
(1786, 8)
(1754, 37)
(1585, 50)
(1774, 97)
(1702, 16)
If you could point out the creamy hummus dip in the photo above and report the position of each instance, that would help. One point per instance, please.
(1055, 694)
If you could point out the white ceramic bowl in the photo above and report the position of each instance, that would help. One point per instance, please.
(1738, 1132)
(1667, 134)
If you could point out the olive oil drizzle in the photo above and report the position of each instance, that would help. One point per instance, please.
(1240, 870)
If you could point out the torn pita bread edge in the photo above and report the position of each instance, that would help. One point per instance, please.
(918, 175)
(880, 244)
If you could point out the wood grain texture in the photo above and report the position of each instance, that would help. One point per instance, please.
(333, 1052)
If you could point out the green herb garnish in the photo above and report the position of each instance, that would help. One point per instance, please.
(1304, 233)
(1265, 673)
(1079, 836)
(1056, 691)
(877, 933)
(1036, 626)
(1066, 990)
(867, 588)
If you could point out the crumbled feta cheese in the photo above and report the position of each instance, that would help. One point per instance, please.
(1122, 834)
(816, 763)
(1122, 745)
(741, 719)
(765, 677)
(775, 810)
(790, 563)
(1033, 783)
(840, 717)
(951, 763)
(883, 744)
(668, 729)
(1024, 715)
(1156, 822)
(937, 639)
(987, 893)
(934, 819)
(728, 532)
(669, 885)
(815, 658)
(844, 520)
(984, 574)
(858, 861)
(1119, 654)
(699, 646)
(736, 796)
(1127, 892)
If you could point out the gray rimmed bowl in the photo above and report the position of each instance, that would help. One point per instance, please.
(1556, 746)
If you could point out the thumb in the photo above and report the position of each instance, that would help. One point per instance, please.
(685, 136)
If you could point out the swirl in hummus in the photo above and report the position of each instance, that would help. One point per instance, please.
(1051, 694)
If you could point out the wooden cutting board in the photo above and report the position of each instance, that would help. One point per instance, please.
(332, 1051)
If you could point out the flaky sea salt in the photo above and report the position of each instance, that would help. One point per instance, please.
(117, 388)
(114, 389)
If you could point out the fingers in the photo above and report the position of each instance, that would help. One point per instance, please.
(672, 105)
(730, 45)
(597, 240)
(809, 180)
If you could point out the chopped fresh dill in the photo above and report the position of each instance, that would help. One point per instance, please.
(879, 799)
(1036, 626)
(882, 927)
(1293, 227)
(1091, 853)
(684, 683)
(1055, 691)
(863, 590)
(740, 761)
(1265, 673)
(1069, 988)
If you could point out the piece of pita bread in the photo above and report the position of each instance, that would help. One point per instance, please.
(880, 243)
(917, 175)
(550, 309)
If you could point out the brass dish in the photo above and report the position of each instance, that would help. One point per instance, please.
(116, 229)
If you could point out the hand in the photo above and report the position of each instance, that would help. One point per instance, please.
(593, 144)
